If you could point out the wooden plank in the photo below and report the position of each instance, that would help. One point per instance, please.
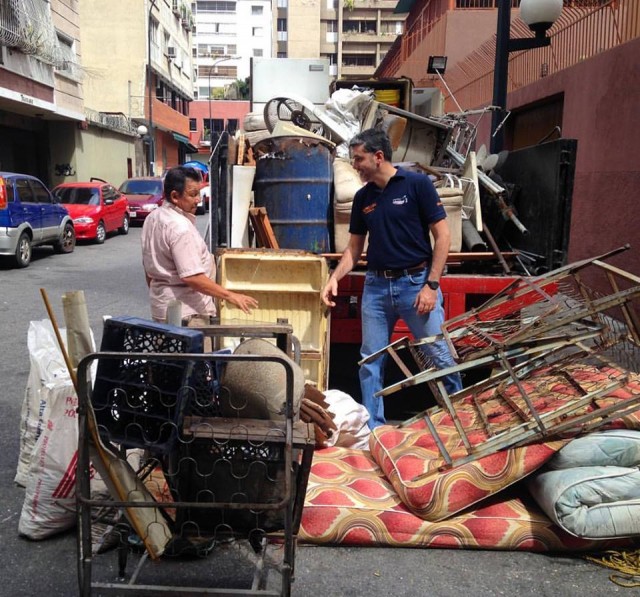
(262, 227)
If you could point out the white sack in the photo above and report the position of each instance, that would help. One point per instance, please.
(49, 503)
(350, 419)
(47, 371)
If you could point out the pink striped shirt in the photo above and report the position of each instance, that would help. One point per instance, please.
(172, 249)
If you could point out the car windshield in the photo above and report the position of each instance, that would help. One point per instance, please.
(78, 196)
(142, 187)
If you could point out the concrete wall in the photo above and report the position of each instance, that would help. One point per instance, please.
(303, 29)
(600, 102)
(467, 30)
(113, 149)
(116, 56)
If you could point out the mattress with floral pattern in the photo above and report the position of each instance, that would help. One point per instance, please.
(402, 492)
(350, 502)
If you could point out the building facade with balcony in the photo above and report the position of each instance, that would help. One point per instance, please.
(227, 34)
(41, 87)
(354, 35)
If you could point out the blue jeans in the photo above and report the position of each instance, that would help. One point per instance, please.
(384, 301)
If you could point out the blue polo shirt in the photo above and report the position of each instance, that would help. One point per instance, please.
(397, 219)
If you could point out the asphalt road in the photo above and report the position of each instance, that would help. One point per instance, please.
(111, 277)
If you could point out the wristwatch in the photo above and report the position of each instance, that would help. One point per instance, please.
(433, 285)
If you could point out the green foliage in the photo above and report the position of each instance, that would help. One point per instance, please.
(244, 88)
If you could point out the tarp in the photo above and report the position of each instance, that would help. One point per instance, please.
(197, 165)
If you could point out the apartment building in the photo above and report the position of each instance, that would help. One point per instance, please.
(139, 72)
(228, 34)
(41, 101)
(78, 80)
(354, 35)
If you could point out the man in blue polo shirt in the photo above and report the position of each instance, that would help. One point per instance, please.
(397, 209)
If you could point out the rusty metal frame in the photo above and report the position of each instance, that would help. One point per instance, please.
(565, 331)
(485, 329)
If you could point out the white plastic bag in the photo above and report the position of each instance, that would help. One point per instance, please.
(350, 419)
(48, 438)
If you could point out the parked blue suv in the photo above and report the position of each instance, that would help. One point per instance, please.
(30, 216)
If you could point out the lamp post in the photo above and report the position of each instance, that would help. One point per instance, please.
(152, 143)
(212, 69)
(539, 15)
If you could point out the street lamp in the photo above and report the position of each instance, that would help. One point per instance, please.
(152, 145)
(539, 15)
(212, 69)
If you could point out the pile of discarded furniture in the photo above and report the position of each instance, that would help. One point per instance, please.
(293, 181)
(539, 455)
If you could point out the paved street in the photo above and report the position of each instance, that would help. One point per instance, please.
(112, 279)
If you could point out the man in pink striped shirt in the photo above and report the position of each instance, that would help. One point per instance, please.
(176, 260)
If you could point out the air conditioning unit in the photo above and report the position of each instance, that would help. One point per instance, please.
(171, 52)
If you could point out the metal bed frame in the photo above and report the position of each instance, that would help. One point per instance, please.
(545, 327)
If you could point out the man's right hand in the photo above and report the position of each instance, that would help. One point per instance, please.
(329, 292)
(242, 301)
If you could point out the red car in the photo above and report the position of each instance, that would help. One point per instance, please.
(144, 193)
(95, 207)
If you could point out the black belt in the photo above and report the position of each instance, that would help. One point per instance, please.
(392, 274)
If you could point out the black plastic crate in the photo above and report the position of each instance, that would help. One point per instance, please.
(141, 403)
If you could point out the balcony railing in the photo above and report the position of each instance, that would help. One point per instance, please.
(115, 121)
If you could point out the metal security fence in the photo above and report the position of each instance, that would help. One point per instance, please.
(27, 26)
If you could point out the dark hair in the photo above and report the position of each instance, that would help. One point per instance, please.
(373, 140)
(175, 178)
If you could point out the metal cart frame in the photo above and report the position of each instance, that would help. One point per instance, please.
(293, 440)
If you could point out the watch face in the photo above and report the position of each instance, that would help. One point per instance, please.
(433, 285)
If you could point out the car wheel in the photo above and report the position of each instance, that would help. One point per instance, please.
(124, 229)
(67, 242)
(23, 251)
(101, 233)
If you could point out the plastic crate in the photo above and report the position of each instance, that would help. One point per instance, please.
(139, 402)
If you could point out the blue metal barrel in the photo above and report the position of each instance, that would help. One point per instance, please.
(293, 182)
